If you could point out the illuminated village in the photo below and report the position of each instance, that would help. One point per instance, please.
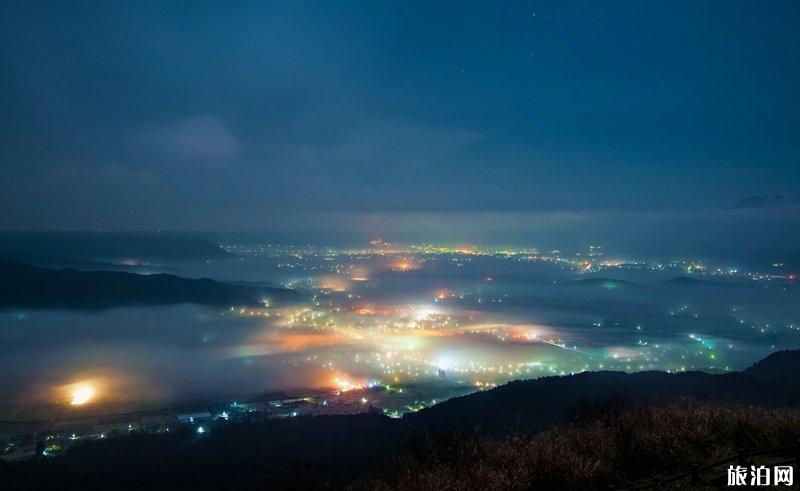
(393, 329)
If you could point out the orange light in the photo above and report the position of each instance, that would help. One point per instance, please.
(443, 293)
(404, 266)
(366, 310)
(333, 283)
(344, 385)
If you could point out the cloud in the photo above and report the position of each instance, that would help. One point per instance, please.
(201, 140)
(401, 141)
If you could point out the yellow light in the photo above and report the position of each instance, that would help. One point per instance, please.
(82, 394)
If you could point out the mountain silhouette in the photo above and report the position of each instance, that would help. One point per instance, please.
(26, 286)
(332, 451)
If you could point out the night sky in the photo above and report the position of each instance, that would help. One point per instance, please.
(259, 115)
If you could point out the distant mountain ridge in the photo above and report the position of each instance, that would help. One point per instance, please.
(604, 283)
(26, 286)
(766, 201)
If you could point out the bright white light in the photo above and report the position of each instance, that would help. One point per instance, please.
(81, 395)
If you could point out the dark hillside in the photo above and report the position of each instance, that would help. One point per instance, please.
(586, 431)
(26, 286)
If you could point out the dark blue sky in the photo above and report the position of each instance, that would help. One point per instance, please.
(237, 115)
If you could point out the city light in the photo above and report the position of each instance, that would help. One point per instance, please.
(344, 385)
